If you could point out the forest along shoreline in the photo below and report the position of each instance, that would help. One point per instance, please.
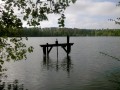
(54, 31)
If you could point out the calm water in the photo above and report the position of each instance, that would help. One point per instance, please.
(85, 69)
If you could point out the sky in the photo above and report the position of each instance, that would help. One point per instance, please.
(88, 14)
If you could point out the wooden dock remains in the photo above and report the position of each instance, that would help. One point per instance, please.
(48, 47)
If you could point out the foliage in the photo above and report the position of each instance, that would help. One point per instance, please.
(12, 49)
(34, 11)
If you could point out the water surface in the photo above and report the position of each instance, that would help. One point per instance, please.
(85, 68)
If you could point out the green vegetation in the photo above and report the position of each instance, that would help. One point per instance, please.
(38, 32)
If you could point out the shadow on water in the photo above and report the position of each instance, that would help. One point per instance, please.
(113, 57)
(15, 85)
(65, 64)
(114, 78)
(10, 85)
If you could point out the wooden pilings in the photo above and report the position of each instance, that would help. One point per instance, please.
(66, 46)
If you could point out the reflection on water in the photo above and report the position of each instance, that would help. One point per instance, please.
(7, 85)
(115, 79)
(113, 57)
(65, 64)
(15, 85)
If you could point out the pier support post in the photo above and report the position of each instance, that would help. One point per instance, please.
(68, 39)
(47, 50)
(68, 45)
(57, 47)
(44, 50)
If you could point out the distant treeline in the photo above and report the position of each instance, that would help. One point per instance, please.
(40, 32)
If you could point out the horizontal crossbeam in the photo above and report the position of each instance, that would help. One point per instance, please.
(56, 45)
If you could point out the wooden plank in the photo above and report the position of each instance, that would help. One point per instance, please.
(54, 45)
(44, 50)
(64, 49)
(68, 39)
(50, 49)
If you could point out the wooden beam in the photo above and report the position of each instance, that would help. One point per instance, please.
(50, 49)
(64, 48)
(55, 45)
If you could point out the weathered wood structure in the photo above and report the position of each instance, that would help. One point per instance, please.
(48, 47)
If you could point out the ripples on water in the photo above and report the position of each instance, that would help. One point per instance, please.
(85, 69)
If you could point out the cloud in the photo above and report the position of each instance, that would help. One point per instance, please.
(89, 14)
(103, 9)
(87, 7)
(52, 22)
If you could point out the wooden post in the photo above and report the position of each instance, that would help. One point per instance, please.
(50, 49)
(44, 60)
(68, 45)
(47, 49)
(44, 50)
(57, 47)
(57, 54)
(68, 39)
(68, 63)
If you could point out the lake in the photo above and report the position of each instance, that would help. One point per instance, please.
(92, 65)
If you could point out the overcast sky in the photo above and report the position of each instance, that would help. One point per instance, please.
(88, 14)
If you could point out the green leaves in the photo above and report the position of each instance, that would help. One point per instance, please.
(13, 49)
(61, 20)
(35, 11)
(10, 21)
(1, 61)
(30, 49)
(73, 1)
